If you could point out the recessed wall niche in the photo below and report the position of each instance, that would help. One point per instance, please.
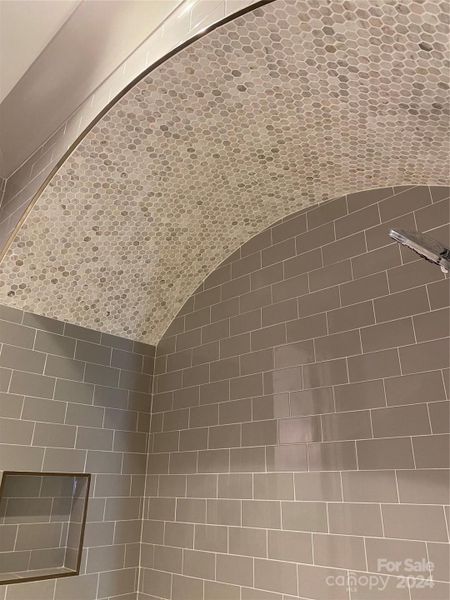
(42, 520)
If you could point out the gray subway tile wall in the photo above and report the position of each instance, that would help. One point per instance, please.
(78, 400)
(313, 441)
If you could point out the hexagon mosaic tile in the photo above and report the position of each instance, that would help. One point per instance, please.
(291, 104)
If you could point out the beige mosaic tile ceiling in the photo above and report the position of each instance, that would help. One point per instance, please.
(291, 104)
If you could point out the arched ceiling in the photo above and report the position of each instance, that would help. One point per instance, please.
(291, 104)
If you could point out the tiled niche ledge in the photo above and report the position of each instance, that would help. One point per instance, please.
(189, 19)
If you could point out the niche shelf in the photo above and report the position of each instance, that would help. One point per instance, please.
(42, 521)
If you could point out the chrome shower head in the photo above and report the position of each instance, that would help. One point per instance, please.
(425, 246)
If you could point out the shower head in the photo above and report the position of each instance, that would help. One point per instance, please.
(425, 246)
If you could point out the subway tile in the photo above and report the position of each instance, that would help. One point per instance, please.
(355, 519)
(235, 485)
(16, 335)
(236, 287)
(82, 414)
(204, 415)
(279, 312)
(290, 546)
(439, 555)
(268, 337)
(82, 333)
(54, 344)
(246, 541)
(360, 199)
(205, 353)
(197, 318)
(246, 322)
(223, 310)
(100, 375)
(395, 453)
(188, 340)
(5, 378)
(432, 451)
(424, 486)
(116, 341)
(195, 375)
(290, 288)
(382, 551)
(90, 438)
(317, 302)
(414, 522)
(259, 433)
(311, 402)
(314, 582)
(13, 315)
(235, 411)
(94, 353)
(401, 304)
(224, 369)
(31, 384)
(425, 356)
(234, 569)
(432, 216)
(400, 421)
(330, 275)
(387, 335)
(13, 357)
(275, 576)
(179, 534)
(301, 429)
(16, 432)
(289, 228)
(337, 345)
(137, 382)
(440, 416)
(224, 436)
(214, 461)
(365, 288)
(282, 380)
(168, 559)
(64, 460)
(339, 551)
(194, 439)
(278, 252)
(255, 362)
(347, 247)
(166, 441)
(201, 486)
(13, 457)
(317, 486)
(183, 462)
(11, 406)
(261, 513)
(186, 588)
(328, 211)
(289, 457)
(66, 368)
(235, 345)
(432, 325)
(199, 564)
(439, 294)
(304, 516)
(255, 299)
(373, 365)
(205, 299)
(221, 591)
(324, 374)
(357, 396)
(346, 426)
(210, 537)
(218, 391)
(266, 276)
(369, 486)
(405, 202)
(269, 407)
(245, 265)
(415, 388)
(186, 397)
(257, 242)
(412, 275)
(379, 235)
(332, 456)
(216, 331)
(223, 512)
(304, 328)
(307, 261)
(316, 238)
(357, 221)
(376, 261)
(246, 386)
(247, 459)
